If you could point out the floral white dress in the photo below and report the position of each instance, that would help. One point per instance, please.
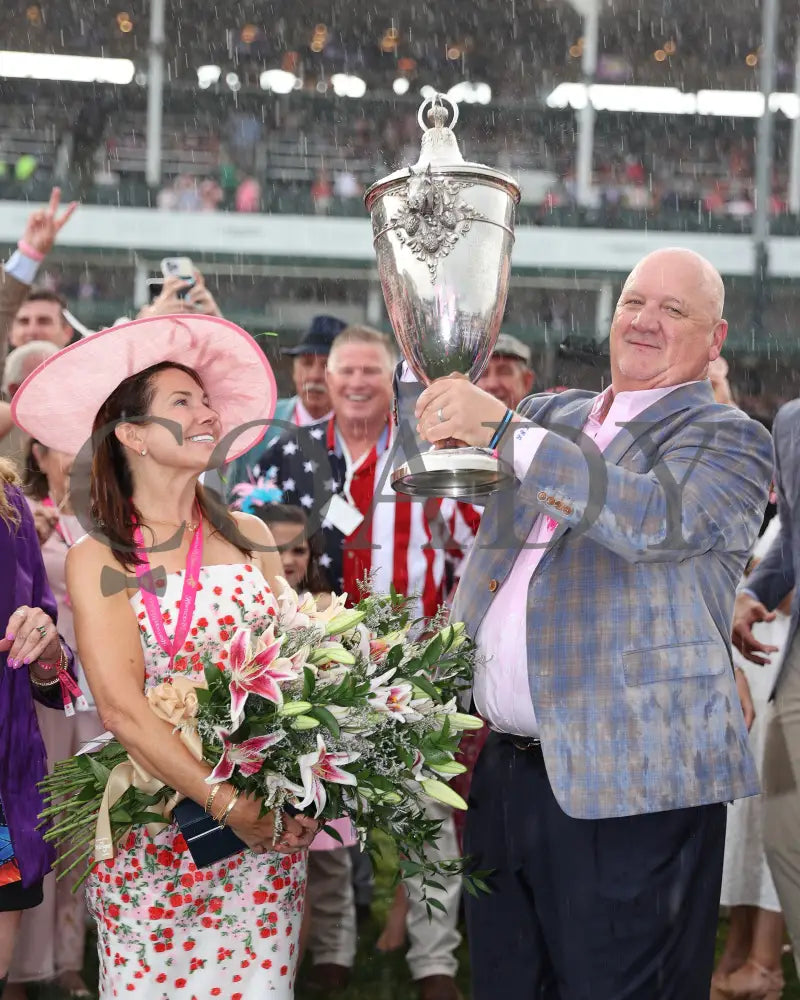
(165, 928)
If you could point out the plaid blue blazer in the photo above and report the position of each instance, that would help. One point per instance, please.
(629, 610)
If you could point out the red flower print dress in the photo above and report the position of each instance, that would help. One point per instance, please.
(166, 929)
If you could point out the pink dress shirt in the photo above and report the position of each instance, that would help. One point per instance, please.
(501, 690)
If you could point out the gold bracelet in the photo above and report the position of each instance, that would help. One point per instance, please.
(59, 665)
(211, 796)
(222, 819)
(43, 684)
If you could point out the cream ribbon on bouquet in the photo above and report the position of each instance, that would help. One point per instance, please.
(175, 702)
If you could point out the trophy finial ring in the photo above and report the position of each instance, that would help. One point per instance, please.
(436, 104)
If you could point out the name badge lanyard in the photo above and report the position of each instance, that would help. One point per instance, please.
(191, 584)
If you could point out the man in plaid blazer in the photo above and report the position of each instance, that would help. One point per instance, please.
(601, 591)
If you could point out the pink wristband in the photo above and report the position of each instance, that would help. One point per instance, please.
(30, 251)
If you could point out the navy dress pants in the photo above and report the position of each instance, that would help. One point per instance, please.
(609, 909)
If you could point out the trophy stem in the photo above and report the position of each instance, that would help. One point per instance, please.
(458, 473)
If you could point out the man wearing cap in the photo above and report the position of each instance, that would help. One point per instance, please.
(508, 376)
(311, 401)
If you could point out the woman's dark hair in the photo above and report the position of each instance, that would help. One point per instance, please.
(34, 481)
(315, 579)
(113, 510)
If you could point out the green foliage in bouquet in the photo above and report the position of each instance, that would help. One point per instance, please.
(335, 711)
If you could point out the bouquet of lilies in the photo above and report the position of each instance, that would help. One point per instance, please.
(335, 711)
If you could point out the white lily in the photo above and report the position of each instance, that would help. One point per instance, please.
(320, 767)
(398, 701)
(294, 610)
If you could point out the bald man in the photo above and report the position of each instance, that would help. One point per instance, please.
(600, 590)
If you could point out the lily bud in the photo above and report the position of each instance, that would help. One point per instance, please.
(344, 622)
(460, 721)
(443, 793)
(294, 708)
(331, 654)
(302, 722)
(448, 767)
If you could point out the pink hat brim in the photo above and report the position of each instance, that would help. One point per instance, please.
(58, 402)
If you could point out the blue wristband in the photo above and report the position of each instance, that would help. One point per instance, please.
(501, 429)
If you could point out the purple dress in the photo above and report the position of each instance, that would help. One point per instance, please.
(23, 761)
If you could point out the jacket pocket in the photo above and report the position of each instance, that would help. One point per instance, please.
(672, 663)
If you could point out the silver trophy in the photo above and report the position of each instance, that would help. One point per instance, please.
(443, 231)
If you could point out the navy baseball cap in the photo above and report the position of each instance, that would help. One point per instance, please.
(319, 337)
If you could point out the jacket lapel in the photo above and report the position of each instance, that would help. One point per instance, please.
(641, 434)
(646, 423)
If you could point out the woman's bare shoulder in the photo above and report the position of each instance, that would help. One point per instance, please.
(254, 530)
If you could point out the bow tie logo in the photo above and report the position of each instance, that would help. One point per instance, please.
(112, 581)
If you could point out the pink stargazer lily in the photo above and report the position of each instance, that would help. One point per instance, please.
(256, 671)
(248, 756)
(317, 768)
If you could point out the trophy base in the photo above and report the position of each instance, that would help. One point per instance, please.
(457, 473)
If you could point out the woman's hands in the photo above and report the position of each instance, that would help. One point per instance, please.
(30, 635)
(259, 833)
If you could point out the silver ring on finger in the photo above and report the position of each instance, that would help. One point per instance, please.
(440, 415)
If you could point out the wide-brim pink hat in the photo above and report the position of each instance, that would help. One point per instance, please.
(58, 402)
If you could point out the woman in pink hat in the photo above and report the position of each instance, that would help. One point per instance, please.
(155, 402)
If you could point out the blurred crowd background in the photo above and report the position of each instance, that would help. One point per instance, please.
(281, 110)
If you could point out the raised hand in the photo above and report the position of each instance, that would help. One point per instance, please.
(45, 224)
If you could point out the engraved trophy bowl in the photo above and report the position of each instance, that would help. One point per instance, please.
(443, 230)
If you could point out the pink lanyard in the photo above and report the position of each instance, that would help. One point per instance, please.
(191, 585)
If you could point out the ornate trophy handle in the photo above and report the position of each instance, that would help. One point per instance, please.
(436, 104)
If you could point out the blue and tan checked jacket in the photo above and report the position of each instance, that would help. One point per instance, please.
(629, 610)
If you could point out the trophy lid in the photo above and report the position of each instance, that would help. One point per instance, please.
(439, 154)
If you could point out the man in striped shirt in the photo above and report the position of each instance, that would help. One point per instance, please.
(339, 471)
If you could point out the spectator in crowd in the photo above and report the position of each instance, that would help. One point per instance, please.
(87, 134)
(337, 470)
(20, 364)
(31, 653)
(248, 195)
(750, 965)
(508, 376)
(210, 194)
(41, 320)
(41, 317)
(311, 401)
(718, 376)
(346, 185)
(18, 273)
(322, 192)
(772, 580)
(50, 945)
(178, 296)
